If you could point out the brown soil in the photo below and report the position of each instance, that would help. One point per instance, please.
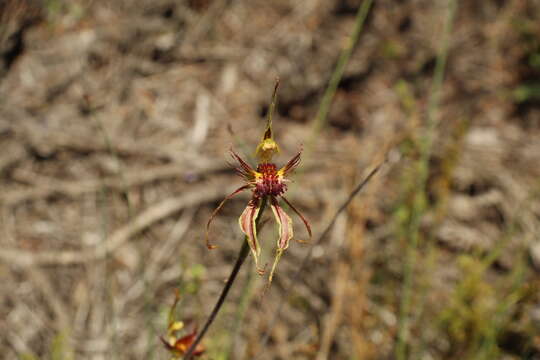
(115, 122)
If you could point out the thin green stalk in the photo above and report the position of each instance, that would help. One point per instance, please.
(328, 96)
(419, 201)
(502, 313)
(242, 255)
(243, 305)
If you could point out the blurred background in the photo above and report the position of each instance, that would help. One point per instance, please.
(115, 122)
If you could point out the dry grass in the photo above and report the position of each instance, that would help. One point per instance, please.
(115, 121)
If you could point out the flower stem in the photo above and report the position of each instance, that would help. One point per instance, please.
(242, 255)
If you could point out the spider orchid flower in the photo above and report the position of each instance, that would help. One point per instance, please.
(267, 183)
(178, 346)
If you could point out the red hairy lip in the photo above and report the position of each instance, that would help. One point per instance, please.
(269, 182)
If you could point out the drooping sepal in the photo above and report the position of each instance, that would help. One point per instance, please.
(284, 225)
(248, 226)
(279, 252)
(285, 230)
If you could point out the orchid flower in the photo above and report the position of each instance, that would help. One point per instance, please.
(178, 346)
(267, 183)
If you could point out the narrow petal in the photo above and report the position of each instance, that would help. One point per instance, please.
(240, 189)
(279, 252)
(291, 165)
(249, 227)
(306, 223)
(245, 167)
(244, 170)
(285, 233)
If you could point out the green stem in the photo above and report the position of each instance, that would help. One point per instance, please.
(419, 201)
(242, 255)
(337, 74)
(243, 305)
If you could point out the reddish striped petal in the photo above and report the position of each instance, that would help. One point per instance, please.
(291, 165)
(248, 227)
(245, 170)
(285, 225)
(285, 233)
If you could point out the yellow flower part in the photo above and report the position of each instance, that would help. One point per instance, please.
(267, 148)
(178, 346)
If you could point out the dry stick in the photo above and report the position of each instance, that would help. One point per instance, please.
(37, 191)
(307, 258)
(242, 255)
(196, 195)
(333, 319)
